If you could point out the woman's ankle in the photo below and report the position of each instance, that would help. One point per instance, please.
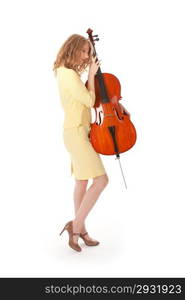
(77, 226)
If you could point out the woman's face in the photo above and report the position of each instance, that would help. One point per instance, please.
(84, 53)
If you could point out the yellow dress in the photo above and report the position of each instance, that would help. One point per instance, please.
(76, 101)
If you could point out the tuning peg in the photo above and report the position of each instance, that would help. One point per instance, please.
(96, 39)
(95, 35)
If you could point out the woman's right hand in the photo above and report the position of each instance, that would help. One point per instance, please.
(94, 66)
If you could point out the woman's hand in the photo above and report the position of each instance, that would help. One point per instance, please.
(94, 66)
(124, 110)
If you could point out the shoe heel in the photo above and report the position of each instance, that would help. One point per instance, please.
(63, 230)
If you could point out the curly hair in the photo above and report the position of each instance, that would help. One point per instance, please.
(69, 53)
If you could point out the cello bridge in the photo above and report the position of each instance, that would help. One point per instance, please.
(108, 115)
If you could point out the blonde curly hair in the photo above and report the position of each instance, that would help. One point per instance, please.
(69, 53)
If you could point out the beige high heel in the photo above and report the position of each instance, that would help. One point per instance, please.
(88, 242)
(69, 228)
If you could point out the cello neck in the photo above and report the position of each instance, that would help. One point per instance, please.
(99, 76)
(103, 91)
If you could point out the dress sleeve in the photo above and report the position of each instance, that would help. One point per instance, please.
(74, 85)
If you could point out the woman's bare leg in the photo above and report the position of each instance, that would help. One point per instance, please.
(89, 199)
(79, 192)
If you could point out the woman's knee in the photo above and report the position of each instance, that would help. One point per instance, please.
(101, 181)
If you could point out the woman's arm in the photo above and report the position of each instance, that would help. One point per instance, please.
(92, 72)
(70, 81)
(90, 84)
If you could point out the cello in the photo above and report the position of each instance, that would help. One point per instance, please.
(112, 132)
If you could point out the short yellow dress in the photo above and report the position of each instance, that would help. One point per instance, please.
(76, 101)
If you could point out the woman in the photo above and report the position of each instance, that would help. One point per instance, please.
(72, 60)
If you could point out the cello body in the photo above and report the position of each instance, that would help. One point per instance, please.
(114, 117)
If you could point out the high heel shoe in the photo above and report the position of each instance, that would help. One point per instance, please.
(69, 228)
(87, 241)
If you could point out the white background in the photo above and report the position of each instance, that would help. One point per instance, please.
(141, 229)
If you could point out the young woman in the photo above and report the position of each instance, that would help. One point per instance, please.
(72, 60)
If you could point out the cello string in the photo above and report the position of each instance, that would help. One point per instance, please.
(122, 171)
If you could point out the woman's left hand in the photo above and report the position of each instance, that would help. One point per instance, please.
(124, 110)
